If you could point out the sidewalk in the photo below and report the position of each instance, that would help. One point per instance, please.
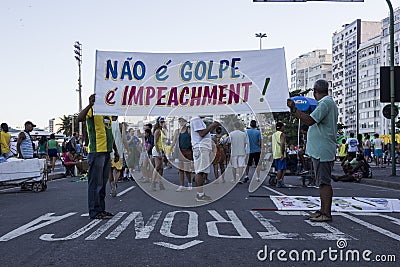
(58, 173)
(380, 176)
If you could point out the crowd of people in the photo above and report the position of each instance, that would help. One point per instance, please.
(355, 154)
(115, 152)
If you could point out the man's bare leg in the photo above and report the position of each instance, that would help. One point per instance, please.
(326, 193)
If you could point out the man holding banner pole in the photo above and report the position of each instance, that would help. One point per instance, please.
(321, 145)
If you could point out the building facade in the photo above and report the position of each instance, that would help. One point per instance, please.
(369, 110)
(345, 45)
(308, 68)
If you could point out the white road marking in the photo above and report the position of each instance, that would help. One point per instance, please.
(212, 227)
(272, 231)
(394, 220)
(276, 192)
(105, 226)
(179, 247)
(192, 226)
(125, 191)
(371, 226)
(34, 225)
(334, 233)
(114, 234)
(76, 234)
(142, 231)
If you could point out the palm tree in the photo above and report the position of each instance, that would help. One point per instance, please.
(66, 125)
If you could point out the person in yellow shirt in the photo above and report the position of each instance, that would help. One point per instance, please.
(168, 155)
(342, 150)
(101, 144)
(5, 137)
(279, 152)
(158, 152)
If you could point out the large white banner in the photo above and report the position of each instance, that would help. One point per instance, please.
(142, 84)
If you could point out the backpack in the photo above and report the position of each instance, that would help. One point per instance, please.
(68, 146)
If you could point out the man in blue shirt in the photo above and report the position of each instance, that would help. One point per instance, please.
(321, 145)
(254, 141)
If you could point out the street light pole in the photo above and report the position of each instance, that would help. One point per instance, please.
(261, 35)
(392, 89)
(78, 57)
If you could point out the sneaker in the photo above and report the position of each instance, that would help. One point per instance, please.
(280, 184)
(190, 187)
(180, 189)
(104, 215)
(233, 180)
(245, 180)
(113, 189)
(258, 179)
(313, 214)
(321, 218)
(203, 198)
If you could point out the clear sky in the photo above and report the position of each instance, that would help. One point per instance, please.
(39, 74)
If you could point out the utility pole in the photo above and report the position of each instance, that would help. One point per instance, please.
(392, 92)
(78, 57)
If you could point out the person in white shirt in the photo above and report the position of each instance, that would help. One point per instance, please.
(351, 147)
(202, 149)
(378, 151)
(239, 142)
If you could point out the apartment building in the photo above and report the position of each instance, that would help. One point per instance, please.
(369, 110)
(345, 44)
(54, 125)
(309, 67)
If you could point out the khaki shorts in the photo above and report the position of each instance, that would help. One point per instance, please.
(202, 160)
(238, 161)
(117, 165)
(322, 171)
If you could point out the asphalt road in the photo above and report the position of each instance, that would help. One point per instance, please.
(51, 228)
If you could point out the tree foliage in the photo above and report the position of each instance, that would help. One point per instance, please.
(66, 125)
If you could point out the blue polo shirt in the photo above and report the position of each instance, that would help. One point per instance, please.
(254, 136)
(321, 137)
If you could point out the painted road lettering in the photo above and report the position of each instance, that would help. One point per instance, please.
(215, 227)
(34, 225)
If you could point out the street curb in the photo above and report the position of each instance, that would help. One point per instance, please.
(388, 184)
(55, 176)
